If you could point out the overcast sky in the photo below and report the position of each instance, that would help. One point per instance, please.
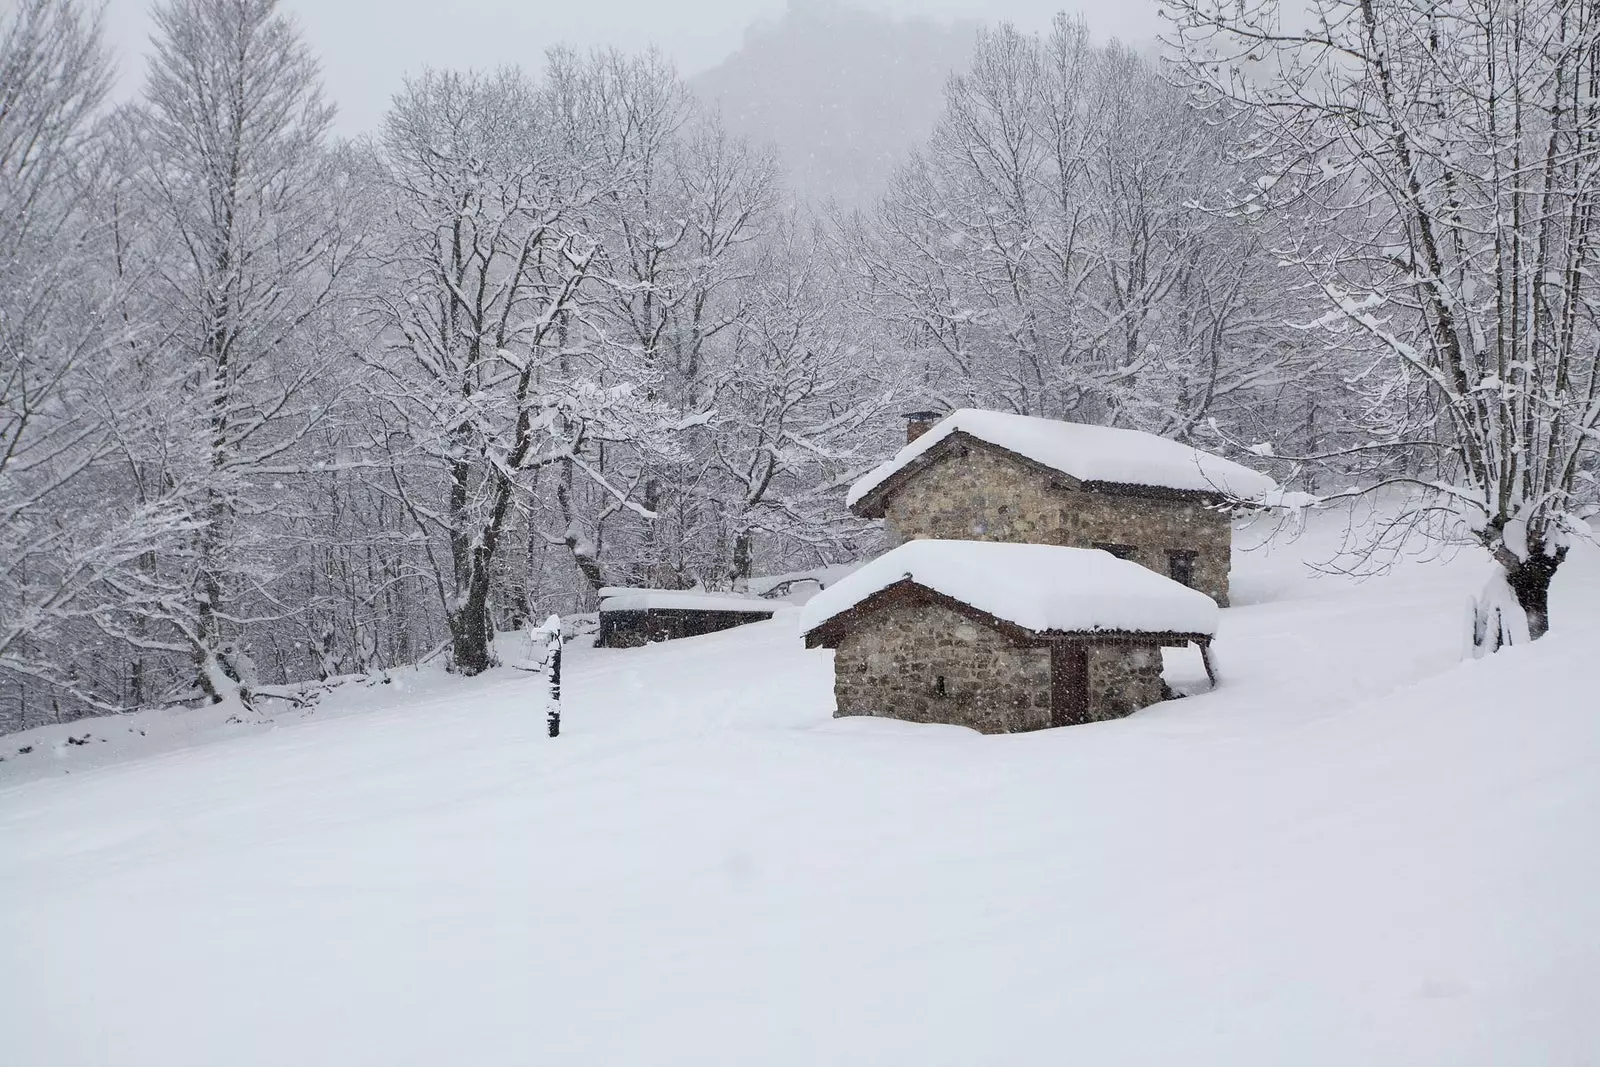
(367, 46)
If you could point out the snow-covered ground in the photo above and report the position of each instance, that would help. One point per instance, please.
(1360, 850)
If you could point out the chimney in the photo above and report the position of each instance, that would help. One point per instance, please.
(920, 422)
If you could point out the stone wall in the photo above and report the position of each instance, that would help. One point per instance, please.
(1123, 679)
(890, 662)
(632, 629)
(987, 496)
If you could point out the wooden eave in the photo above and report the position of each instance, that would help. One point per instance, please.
(832, 631)
(872, 504)
(1154, 492)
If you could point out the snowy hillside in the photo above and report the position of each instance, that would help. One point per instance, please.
(1360, 850)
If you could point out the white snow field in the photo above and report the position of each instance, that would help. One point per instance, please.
(1360, 850)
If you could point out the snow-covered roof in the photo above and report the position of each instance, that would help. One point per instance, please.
(1038, 587)
(616, 598)
(1101, 454)
(820, 577)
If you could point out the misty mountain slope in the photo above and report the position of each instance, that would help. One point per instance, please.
(1358, 850)
(843, 94)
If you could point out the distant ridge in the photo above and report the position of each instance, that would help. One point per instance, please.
(844, 94)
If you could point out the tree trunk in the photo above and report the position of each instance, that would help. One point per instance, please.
(743, 557)
(222, 667)
(653, 568)
(583, 553)
(471, 625)
(470, 628)
(1530, 581)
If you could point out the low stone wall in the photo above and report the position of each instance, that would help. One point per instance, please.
(631, 629)
(988, 496)
(891, 662)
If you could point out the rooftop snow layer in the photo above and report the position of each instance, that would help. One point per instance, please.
(1038, 587)
(1087, 453)
(822, 577)
(619, 599)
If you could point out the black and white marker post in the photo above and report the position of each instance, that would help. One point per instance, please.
(550, 632)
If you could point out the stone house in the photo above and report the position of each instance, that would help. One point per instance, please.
(1002, 637)
(994, 476)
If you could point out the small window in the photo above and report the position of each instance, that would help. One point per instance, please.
(938, 687)
(1120, 551)
(1180, 565)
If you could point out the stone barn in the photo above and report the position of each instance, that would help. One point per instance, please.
(633, 617)
(992, 476)
(1003, 637)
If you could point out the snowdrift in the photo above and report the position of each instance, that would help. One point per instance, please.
(1359, 850)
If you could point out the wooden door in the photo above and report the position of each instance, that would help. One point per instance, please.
(1069, 684)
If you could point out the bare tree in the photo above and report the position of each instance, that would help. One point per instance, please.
(69, 542)
(798, 401)
(244, 197)
(675, 233)
(1045, 252)
(497, 369)
(1437, 164)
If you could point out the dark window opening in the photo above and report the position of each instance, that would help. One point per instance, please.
(938, 687)
(1120, 551)
(1180, 565)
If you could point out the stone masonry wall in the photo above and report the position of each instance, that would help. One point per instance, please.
(1123, 679)
(987, 496)
(889, 663)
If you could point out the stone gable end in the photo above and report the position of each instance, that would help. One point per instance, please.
(974, 493)
(891, 661)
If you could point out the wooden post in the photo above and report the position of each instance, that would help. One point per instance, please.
(551, 632)
(1205, 657)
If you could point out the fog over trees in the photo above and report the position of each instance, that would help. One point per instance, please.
(277, 409)
(841, 93)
